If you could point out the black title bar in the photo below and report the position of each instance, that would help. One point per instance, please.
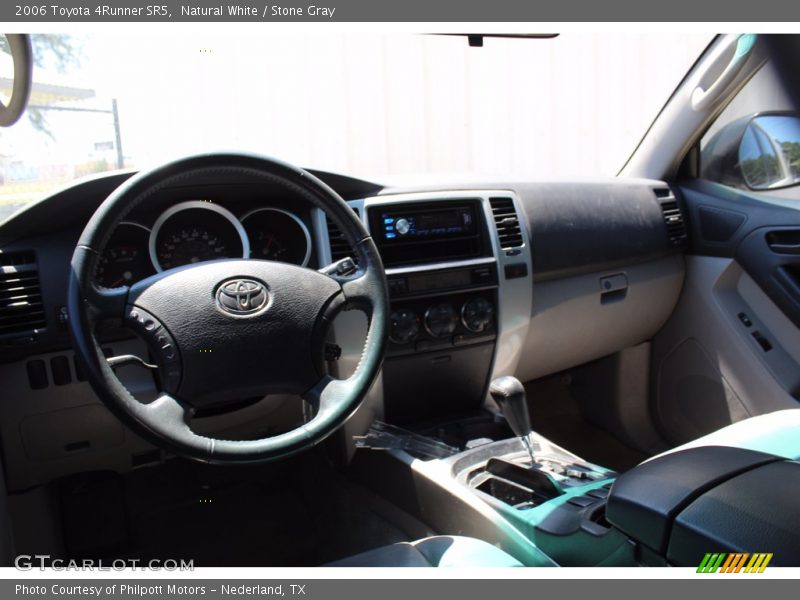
(496, 11)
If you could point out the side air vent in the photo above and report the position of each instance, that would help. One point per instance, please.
(673, 217)
(507, 222)
(339, 246)
(13, 259)
(21, 308)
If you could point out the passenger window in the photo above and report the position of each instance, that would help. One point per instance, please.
(754, 143)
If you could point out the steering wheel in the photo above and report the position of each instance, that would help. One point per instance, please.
(225, 330)
(22, 56)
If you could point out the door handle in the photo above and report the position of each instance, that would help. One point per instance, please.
(786, 241)
(785, 248)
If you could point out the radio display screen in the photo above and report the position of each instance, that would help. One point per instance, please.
(399, 225)
(439, 281)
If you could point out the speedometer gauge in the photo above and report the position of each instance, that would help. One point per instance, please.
(196, 231)
(278, 235)
(189, 245)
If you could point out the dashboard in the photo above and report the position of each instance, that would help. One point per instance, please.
(485, 279)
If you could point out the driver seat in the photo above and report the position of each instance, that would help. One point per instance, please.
(436, 551)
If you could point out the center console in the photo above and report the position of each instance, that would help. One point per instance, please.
(458, 269)
(546, 506)
(542, 489)
(532, 493)
(442, 278)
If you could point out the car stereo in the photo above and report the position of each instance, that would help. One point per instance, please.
(416, 232)
(398, 225)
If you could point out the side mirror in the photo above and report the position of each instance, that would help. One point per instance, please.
(769, 153)
(760, 152)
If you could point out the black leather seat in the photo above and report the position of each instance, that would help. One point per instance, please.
(437, 551)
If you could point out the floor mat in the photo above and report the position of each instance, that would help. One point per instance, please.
(299, 512)
(243, 526)
(555, 414)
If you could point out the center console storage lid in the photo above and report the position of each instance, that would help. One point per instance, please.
(645, 501)
(757, 511)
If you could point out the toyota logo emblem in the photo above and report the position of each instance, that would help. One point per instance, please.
(242, 296)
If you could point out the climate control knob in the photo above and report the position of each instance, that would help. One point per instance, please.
(404, 326)
(441, 320)
(477, 314)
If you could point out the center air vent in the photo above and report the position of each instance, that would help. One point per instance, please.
(21, 308)
(340, 248)
(673, 218)
(507, 222)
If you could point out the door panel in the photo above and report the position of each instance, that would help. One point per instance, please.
(761, 233)
(732, 347)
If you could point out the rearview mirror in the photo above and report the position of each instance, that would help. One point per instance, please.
(758, 152)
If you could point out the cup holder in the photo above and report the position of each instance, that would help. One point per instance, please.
(514, 484)
(511, 494)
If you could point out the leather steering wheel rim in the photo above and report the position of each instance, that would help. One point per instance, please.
(165, 421)
(22, 57)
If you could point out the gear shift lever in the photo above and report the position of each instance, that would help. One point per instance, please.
(509, 394)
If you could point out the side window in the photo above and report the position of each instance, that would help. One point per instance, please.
(755, 143)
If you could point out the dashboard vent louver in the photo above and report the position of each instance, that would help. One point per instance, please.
(13, 259)
(21, 307)
(507, 222)
(673, 217)
(339, 246)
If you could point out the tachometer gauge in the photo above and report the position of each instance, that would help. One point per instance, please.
(279, 235)
(125, 260)
(196, 231)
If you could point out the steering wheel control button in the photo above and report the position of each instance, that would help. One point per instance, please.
(242, 297)
(160, 342)
(333, 352)
(345, 267)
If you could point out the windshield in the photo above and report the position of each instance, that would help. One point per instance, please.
(367, 105)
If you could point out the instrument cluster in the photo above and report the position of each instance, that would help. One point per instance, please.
(195, 231)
